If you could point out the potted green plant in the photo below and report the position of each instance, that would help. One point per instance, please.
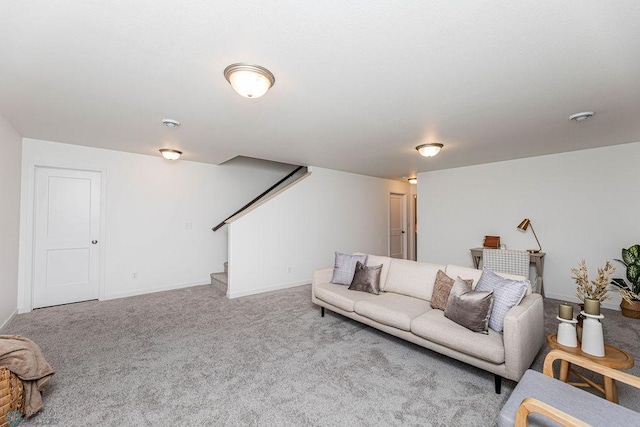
(630, 291)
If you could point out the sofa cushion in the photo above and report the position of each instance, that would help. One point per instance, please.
(392, 309)
(465, 273)
(339, 295)
(434, 327)
(345, 267)
(385, 261)
(475, 274)
(411, 278)
(442, 289)
(592, 409)
(506, 294)
(366, 279)
(469, 308)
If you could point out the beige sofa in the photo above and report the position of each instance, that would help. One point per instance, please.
(403, 309)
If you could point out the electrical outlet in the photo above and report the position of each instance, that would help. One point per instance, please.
(188, 225)
(134, 275)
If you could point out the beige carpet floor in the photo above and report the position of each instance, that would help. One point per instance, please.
(191, 357)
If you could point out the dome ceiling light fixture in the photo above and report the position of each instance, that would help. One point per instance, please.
(429, 150)
(580, 117)
(170, 123)
(170, 154)
(250, 81)
(413, 180)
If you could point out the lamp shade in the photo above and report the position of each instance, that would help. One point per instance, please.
(429, 150)
(170, 154)
(250, 81)
(524, 224)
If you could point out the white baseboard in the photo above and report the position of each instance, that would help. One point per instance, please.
(152, 290)
(6, 322)
(254, 291)
(611, 305)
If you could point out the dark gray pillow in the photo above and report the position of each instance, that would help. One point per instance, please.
(345, 267)
(366, 278)
(441, 289)
(506, 294)
(468, 308)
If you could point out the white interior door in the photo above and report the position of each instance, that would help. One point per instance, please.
(397, 226)
(67, 229)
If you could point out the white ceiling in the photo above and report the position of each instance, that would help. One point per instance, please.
(359, 83)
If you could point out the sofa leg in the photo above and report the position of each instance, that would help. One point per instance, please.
(321, 311)
(498, 380)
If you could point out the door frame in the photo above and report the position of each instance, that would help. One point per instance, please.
(404, 223)
(27, 229)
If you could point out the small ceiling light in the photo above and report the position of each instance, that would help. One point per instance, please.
(250, 81)
(413, 180)
(171, 123)
(429, 150)
(579, 117)
(170, 154)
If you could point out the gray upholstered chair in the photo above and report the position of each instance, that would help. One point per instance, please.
(541, 400)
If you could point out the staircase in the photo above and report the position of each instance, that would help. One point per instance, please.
(219, 280)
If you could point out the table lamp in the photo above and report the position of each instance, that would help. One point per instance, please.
(523, 227)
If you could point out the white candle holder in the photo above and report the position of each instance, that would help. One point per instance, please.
(592, 335)
(567, 332)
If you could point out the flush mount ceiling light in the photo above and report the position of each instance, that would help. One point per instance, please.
(413, 180)
(170, 154)
(579, 117)
(250, 81)
(170, 123)
(429, 150)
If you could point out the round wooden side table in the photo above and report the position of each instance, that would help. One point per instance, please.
(613, 358)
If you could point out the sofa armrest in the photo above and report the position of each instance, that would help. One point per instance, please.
(523, 335)
(322, 275)
(534, 406)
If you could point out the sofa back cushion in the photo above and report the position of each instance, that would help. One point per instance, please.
(385, 261)
(472, 273)
(411, 278)
(465, 273)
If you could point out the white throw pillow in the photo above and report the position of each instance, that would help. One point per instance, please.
(507, 293)
(345, 267)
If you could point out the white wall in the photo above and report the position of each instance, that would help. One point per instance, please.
(10, 155)
(302, 228)
(583, 204)
(148, 201)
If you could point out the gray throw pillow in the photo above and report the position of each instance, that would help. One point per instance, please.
(468, 308)
(442, 289)
(345, 267)
(506, 294)
(366, 278)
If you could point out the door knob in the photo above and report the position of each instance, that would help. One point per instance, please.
(94, 241)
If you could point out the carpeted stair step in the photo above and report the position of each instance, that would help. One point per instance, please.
(221, 279)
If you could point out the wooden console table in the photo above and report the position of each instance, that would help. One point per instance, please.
(536, 259)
